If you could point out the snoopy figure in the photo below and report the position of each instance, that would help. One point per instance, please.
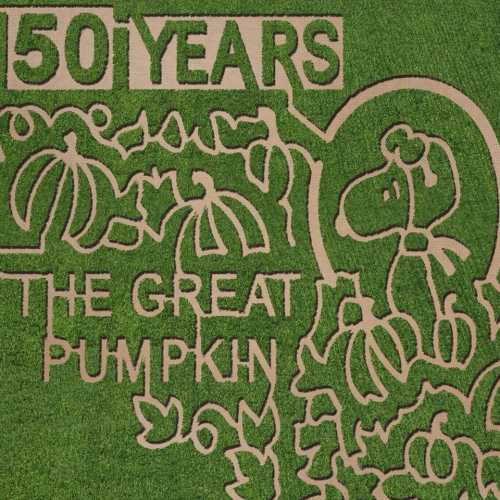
(398, 199)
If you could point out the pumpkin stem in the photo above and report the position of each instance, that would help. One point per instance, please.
(70, 140)
(202, 178)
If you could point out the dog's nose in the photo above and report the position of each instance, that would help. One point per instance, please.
(341, 225)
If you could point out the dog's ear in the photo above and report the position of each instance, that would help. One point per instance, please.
(435, 200)
(433, 168)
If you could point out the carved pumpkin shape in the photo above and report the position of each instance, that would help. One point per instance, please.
(437, 453)
(454, 337)
(375, 352)
(62, 170)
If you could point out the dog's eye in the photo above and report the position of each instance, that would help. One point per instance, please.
(386, 193)
(397, 192)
